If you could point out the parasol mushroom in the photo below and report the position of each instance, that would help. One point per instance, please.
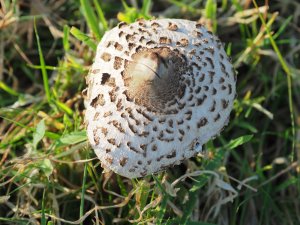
(157, 91)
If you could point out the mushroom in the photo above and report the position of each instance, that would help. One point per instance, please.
(157, 91)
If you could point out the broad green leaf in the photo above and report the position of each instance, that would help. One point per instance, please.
(39, 133)
(74, 137)
(239, 141)
(46, 167)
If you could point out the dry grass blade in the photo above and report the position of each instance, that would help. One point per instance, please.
(96, 208)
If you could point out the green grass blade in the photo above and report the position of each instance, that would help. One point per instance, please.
(81, 210)
(122, 186)
(211, 12)
(163, 205)
(46, 67)
(126, 7)
(64, 107)
(190, 204)
(238, 141)
(282, 27)
(48, 134)
(199, 223)
(146, 7)
(43, 219)
(66, 38)
(224, 4)
(95, 179)
(9, 90)
(101, 14)
(43, 66)
(84, 38)
(91, 18)
(289, 77)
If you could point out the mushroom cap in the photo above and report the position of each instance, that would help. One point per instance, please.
(157, 91)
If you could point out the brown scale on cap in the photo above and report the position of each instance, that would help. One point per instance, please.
(107, 114)
(112, 141)
(118, 125)
(123, 161)
(95, 71)
(155, 25)
(96, 116)
(157, 92)
(203, 121)
(96, 137)
(112, 95)
(118, 46)
(106, 57)
(99, 100)
(165, 40)
(172, 27)
(109, 160)
(118, 63)
(104, 131)
(121, 34)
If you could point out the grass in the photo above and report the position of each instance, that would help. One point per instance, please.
(50, 175)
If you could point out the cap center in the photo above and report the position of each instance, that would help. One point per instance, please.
(153, 77)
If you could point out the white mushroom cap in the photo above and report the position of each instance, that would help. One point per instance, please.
(157, 91)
